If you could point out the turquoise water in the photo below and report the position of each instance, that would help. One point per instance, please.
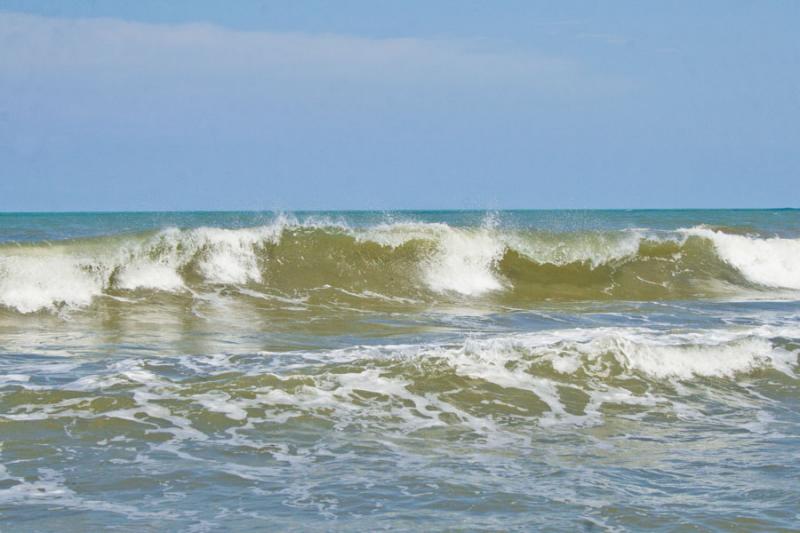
(511, 370)
(22, 227)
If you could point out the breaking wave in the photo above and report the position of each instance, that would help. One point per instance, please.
(398, 262)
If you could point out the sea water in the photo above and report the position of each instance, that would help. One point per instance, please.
(507, 370)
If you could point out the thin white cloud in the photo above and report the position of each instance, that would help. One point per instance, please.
(110, 48)
(130, 82)
(608, 38)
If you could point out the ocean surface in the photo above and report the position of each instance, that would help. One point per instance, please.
(403, 371)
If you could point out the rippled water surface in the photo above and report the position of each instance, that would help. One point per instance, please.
(563, 370)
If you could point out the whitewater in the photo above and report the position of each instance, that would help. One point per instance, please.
(513, 370)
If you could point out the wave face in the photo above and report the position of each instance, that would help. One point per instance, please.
(401, 262)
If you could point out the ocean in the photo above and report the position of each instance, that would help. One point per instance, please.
(406, 371)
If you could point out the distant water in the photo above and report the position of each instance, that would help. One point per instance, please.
(511, 370)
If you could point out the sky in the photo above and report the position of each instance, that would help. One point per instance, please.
(289, 105)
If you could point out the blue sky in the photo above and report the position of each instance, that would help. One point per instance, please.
(150, 105)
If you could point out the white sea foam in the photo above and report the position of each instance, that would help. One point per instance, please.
(773, 262)
(73, 274)
(462, 260)
(46, 277)
(595, 248)
(464, 263)
(230, 255)
(220, 402)
(147, 275)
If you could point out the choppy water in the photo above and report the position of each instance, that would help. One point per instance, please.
(561, 370)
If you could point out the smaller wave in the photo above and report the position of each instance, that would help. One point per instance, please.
(603, 353)
(556, 376)
(607, 352)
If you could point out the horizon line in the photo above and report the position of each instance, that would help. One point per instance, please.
(389, 210)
